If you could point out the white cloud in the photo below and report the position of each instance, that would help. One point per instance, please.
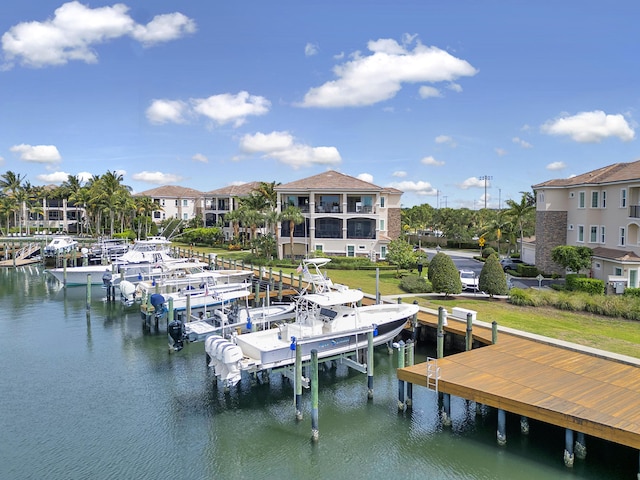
(366, 80)
(222, 109)
(85, 176)
(418, 188)
(310, 49)
(399, 174)
(163, 111)
(456, 87)
(1, 160)
(446, 139)
(53, 178)
(556, 166)
(426, 92)
(229, 108)
(198, 157)
(365, 177)
(500, 151)
(522, 143)
(157, 178)
(431, 161)
(472, 182)
(590, 127)
(37, 153)
(281, 146)
(76, 29)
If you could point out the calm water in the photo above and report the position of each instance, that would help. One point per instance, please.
(96, 397)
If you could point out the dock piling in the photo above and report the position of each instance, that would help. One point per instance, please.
(401, 350)
(502, 428)
(568, 448)
(445, 412)
(88, 292)
(410, 357)
(298, 380)
(440, 334)
(370, 365)
(469, 336)
(314, 395)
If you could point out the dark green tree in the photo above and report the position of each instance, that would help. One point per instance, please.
(492, 279)
(572, 258)
(444, 275)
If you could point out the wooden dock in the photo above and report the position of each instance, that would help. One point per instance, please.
(580, 391)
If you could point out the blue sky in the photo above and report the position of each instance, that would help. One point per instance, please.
(426, 96)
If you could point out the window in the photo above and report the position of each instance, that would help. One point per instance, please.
(604, 199)
(602, 235)
(623, 198)
(593, 234)
(594, 200)
(185, 216)
(617, 271)
(381, 202)
(382, 225)
(581, 233)
(319, 247)
(351, 251)
(581, 200)
(541, 197)
(633, 278)
(622, 237)
(383, 251)
(185, 203)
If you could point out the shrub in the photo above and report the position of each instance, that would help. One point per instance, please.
(492, 279)
(592, 286)
(527, 271)
(631, 292)
(520, 297)
(415, 284)
(571, 280)
(488, 251)
(444, 275)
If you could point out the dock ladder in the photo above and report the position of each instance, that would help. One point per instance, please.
(433, 374)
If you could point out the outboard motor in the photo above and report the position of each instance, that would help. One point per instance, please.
(176, 334)
(157, 302)
(106, 278)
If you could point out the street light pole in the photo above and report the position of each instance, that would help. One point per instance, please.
(485, 178)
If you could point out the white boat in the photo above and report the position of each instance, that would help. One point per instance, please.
(328, 320)
(107, 250)
(143, 258)
(59, 245)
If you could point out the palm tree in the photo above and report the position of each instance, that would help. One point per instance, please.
(519, 213)
(267, 190)
(11, 185)
(234, 217)
(294, 216)
(8, 207)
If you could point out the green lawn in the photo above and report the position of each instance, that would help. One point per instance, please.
(610, 334)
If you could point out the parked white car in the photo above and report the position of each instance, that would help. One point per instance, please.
(469, 280)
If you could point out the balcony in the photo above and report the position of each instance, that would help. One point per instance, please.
(634, 211)
(328, 209)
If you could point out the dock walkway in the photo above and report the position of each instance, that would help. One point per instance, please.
(563, 385)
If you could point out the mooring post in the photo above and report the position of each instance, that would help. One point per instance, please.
(445, 412)
(88, 292)
(502, 427)
(64, 274)
(414, 325)
(580, 447)
(298, 380)
(440, 334)
(188, 308)
(469, 336)
(256, 294)
(409, 363)
(400, 382)
(314, 395)
(370, 365)
(568, 448)
(494, 332)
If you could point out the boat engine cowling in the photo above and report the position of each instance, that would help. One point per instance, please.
(157, 302)
(175, 330)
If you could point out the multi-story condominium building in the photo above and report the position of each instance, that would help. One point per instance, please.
(343, 216)
(220, 202)
(598, 209)
(175, 202)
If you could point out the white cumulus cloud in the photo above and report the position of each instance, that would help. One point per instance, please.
(472, 182)
(164, 111)
(418, 188)
(590, 127)
(54, 178)
(282, 147)
(446, 139)
(157, 178)
(556, 166)
(198, 157)
(310, 49)
(75, 29)
(399, 174)
(365, 177)
(366, 80)
(37, 153)
(431, 161)
(522, 143)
